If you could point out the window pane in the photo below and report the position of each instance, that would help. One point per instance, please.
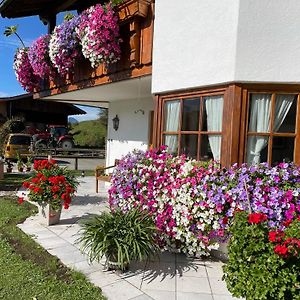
(171, 140)
(190, 114)
(259, 116)
(257, 150)
(283, 149)
(189, 145)
(212, 113)
(171, 115)
(205, 149)
(285, 113)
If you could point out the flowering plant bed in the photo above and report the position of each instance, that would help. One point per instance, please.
(193, 203)
(51, 185)
(24, 71)
(99, 35)
(263, 263)
(64, 47)
(38, 55)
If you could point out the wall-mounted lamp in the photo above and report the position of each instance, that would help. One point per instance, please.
(116, 122)
(139, 110)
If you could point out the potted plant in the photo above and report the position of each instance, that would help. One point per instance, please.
(50, 187)
(29, 163)
(9, 166)
(20, 163)
(120, 237)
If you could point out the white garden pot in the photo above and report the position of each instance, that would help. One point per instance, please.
(48, 216)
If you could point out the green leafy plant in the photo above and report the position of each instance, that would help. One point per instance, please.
(20, 163)
(12, 30)
(120, 237)
(263, 264)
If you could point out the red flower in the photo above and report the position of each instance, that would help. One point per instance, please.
(256, 218)
(281, 250)
(287, 223)
(276, 236)
(20, 200)
(26, 184)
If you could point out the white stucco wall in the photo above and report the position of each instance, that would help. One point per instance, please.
(201, 43)
(268, 43)
(133, 132)
(194, 43)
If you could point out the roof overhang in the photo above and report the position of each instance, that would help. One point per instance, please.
(101, 95)
(21, 8)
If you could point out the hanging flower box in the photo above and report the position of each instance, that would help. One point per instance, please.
(133, 8)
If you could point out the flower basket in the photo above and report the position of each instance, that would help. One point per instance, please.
(133, 8)
(47, 215)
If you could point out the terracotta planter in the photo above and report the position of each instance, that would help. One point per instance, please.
(47, 215)
(133, 8)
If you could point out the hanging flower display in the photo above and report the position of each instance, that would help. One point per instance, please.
(38, 55)
(64, 46)
(24, 71)
(99, 35)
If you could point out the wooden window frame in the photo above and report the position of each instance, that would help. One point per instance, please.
(271, 134)
(199, 133)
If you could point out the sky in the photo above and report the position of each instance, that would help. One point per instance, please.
(29, 29)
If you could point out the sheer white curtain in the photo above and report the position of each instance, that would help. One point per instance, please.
(172, 111)
(214, 111)
(260, 108)
(282, 106)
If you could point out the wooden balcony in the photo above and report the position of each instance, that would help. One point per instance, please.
(136, 30)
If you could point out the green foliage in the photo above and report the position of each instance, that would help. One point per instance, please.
(27, 270)
(119, 237)
(90, 134)
(254, 271)
(10, 30)
(68, 16)
(116, 2)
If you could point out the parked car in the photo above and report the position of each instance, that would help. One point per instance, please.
(18, 144)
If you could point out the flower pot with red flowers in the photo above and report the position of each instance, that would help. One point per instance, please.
(50, 188)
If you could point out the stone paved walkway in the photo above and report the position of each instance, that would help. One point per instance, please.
(173, 276)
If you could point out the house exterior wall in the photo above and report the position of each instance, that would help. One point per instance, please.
(268, 41)
(133, 132)
(201, 43)
(194, 43)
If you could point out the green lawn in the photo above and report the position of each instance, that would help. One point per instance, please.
(27, 270)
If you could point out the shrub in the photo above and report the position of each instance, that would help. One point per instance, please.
(263, 264)
(121, 237)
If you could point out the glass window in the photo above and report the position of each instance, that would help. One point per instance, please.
(272, 120)
(205, 110)
(190, 114)
(189, 145)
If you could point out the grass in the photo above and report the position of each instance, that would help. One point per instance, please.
(30, 272)
(91, 134)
